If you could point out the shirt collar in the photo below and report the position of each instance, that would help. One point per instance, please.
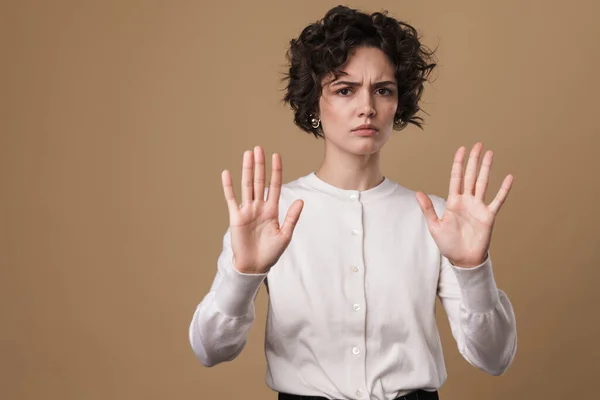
(386, 187)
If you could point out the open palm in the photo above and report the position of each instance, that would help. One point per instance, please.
(257, 239)
(464, 232)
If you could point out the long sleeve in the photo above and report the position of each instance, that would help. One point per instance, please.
(219, 328)
(481, 316)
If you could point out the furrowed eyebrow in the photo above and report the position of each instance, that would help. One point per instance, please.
(354, 84)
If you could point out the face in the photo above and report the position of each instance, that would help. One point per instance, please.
(366, 94)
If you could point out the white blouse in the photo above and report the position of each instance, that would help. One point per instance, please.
(352, 300)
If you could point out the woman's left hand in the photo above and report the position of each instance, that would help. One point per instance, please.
(464, 232)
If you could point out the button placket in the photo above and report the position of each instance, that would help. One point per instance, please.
(357, 294)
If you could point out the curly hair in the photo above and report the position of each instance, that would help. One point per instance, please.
(323, 48)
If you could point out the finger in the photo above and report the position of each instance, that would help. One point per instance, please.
(248, 177)
(502, 194)
(428, 209)
(456, 173)
(226, 181)
(259, 173)
(291, 219)
(484, 175)
(471, 170)
(275, 185)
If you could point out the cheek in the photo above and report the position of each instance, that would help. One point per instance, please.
(388, 108)
(336, 110)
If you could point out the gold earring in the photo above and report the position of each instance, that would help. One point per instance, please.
(315, 122)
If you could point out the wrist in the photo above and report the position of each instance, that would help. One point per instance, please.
(468, 263)
(244, 270)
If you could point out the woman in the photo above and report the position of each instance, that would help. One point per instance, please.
(354, 267)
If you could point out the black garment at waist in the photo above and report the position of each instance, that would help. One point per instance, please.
(418, 395)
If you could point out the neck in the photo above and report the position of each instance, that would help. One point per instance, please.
(350, 171)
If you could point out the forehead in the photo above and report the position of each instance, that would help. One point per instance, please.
(367, 63)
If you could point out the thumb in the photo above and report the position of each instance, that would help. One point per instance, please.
(428, 210)
(291, 219)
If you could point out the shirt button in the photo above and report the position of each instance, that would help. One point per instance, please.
(358, 393)
(355, 232)
(356, 307)
(353, 197)
(354, 268)
(356, 351)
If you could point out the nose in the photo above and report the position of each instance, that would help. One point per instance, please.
(367, 106)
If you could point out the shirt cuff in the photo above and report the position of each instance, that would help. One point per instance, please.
(237, 290)
(478, 287)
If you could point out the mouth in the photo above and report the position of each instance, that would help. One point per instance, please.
(365, 132)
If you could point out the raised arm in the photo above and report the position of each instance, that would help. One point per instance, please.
(251, 246)
(481, 316)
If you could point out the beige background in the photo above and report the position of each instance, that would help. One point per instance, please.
(118, 117)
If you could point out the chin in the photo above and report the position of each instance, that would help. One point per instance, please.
(365, 148)
(360, 146)
(368, 145)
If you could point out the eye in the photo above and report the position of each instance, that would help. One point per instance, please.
(343, 91)
(386, 91)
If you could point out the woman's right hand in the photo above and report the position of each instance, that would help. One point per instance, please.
(257, 240)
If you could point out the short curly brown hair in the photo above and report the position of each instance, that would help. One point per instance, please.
(324, 46)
